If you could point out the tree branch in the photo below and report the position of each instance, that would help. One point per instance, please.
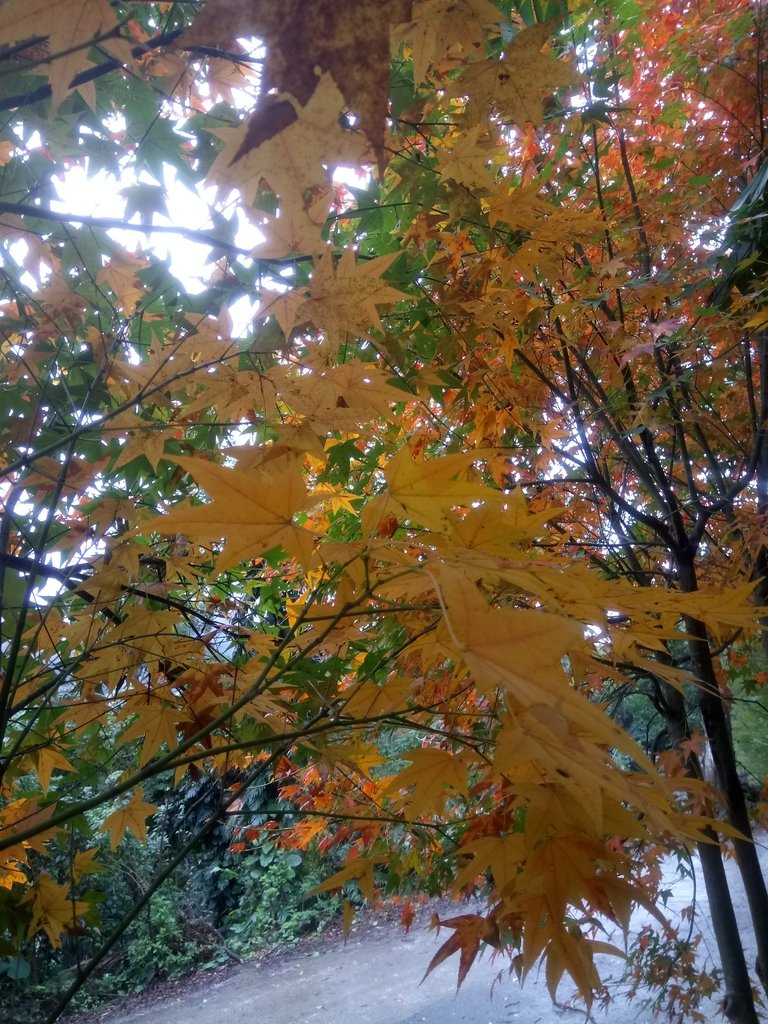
(44, 92)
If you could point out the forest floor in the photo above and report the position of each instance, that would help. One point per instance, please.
(376, 978)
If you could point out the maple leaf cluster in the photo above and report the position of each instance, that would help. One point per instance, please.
(484, 462)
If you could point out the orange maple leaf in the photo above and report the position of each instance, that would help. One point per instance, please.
(469, 931)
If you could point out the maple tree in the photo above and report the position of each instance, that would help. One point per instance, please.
(490, 450)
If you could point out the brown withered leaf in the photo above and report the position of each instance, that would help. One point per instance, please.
(348, 38)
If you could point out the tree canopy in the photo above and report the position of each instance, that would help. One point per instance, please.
(384, 391)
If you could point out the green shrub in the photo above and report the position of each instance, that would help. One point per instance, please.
(274, 908)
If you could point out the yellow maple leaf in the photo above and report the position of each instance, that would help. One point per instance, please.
(85, 863)
(432, 769)
(440, 27)
(513, 87)
(132, 817)
(60, 301)
(367, 700)
(143, 438)
(71, 26)
(295, 441)
(156, 725)
(146, 636)
(522, 651)
(233, 394)
(348, 917)
(120, 275)
(47, 474)
(344, 295)
(522, 208)
(295, 229)
(338, 398)
(38, 251)
(466, 160)
(284, 307)
(252, 511)
(538, 744)
(515, 647)
(732, 607)
(21, 815)
(361, 756)
(358, 870)
(11, 873)
(53, 911)
(499, 529)
(504, 855)
(306, 40)
(759, 320)
(48, 760)
(425, 489)
(290, 146)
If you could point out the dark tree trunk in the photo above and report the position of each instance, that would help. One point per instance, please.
(739, 1004)
(720, 742)
(724, 759)
(760, 566)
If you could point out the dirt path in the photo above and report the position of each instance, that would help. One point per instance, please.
(376, 979)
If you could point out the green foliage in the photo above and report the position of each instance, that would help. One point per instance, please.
(749, 722)
(157, 944)
(664, 972)
(272, 908)
(224, 902)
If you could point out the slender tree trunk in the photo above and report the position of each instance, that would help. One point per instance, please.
(739, 1004)
(724, 760)
(720, 742)
(759, 408)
